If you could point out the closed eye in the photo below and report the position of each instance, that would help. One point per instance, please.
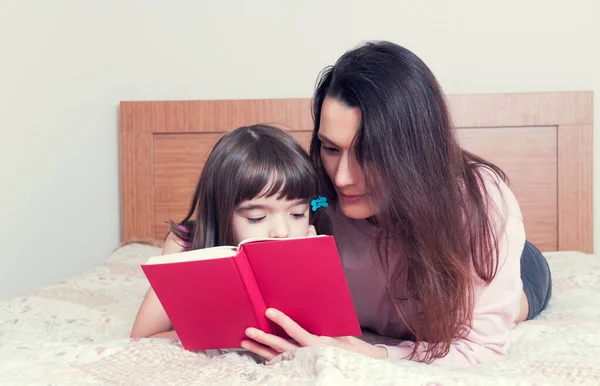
(256, 220)
(298, 215)
(327, 145)
(330, 149)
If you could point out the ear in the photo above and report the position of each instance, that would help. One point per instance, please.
(311, 231)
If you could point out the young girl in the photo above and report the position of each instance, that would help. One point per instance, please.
(257, 182)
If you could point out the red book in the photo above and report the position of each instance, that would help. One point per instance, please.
(212, 295)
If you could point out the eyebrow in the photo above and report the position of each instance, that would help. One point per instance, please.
(325, 139)
(250, 207)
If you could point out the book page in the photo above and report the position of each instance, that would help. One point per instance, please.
(199, 254)
(257, 239)
(212, 253)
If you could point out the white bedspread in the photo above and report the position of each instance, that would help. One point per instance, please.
(76, 332)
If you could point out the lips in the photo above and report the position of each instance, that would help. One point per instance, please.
(351, 198)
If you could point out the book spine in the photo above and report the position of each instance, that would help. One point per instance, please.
(254, 294)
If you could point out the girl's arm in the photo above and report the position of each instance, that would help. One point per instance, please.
(151, 320)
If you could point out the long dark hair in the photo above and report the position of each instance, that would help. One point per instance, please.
(432, 203)
(244, 163)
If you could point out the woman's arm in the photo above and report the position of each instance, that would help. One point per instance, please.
(269, 346)
(496, 310)
(151, 320)
(498, 304)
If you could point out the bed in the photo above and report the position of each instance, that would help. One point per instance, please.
(76, 331)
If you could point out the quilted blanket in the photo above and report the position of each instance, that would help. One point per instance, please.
(76, 332)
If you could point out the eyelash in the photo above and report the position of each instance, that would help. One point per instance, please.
(257, 220)
(329, 149)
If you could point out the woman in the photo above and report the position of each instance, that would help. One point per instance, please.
(431, 237)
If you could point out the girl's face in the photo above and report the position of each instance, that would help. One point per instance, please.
(270, 217)
(338, 127)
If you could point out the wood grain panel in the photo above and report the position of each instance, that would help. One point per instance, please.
(575, 221)
(534, 109)
(137, 187)
(214, 116)
(178, 161)
(514, 144)
(303, 138)
(528, 157)
(485, 110)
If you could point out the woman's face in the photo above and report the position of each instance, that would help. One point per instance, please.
(338, 127)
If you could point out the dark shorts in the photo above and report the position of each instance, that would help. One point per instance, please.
(537, 281)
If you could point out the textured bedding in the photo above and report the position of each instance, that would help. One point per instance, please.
(76, 332)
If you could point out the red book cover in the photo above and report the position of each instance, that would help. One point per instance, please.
(212, 295)
(304, 279)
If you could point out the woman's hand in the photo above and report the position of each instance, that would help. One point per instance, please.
(269, 346)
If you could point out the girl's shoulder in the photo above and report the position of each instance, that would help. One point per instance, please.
(173, 244)
(181, 240)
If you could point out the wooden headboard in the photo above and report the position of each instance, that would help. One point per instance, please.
(543, 141)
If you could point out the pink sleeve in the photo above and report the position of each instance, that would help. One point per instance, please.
(496, 305)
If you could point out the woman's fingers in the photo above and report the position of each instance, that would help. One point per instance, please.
(258, 349)
(312, 231)
(297, 333)
(273, 342)
(269, 346)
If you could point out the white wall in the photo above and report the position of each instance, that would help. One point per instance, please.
(65, 65)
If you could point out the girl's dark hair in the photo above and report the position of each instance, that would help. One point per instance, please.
(432, 202)
(243, 164)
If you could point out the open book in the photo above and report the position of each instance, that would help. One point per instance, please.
(212, 295)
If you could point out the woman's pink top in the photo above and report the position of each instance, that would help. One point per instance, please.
(497, 305)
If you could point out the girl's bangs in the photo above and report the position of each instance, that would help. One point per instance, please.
(282, 179)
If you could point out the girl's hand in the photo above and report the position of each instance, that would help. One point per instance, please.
(269, 346)
(311, 231)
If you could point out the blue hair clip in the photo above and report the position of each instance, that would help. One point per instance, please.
(319, 202)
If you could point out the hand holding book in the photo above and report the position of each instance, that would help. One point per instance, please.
(269, 346)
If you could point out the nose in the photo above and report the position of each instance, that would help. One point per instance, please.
(343, 175)
(279, 228)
